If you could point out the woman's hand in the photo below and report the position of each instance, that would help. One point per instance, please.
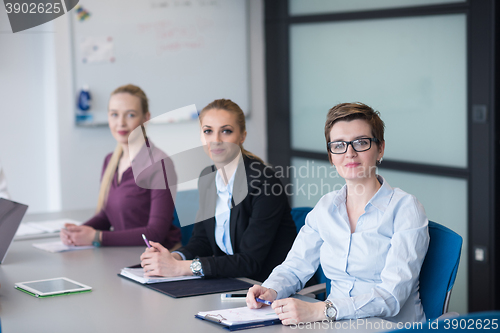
(158, 261)
(292, 311)
(177, 256)
(78, 235)
(65, 235)
(260, 292)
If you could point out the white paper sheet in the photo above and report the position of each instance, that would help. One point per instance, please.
(43, 227)
(96, 50)
(25, 229)
(58, 246)
(137, 274)
(52, 225)
(241, 315)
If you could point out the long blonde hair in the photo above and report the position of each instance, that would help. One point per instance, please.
(107, 177)
(230, 106)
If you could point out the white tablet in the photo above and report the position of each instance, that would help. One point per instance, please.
(52, 287)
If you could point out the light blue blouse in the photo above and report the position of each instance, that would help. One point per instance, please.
(223, 213)
(373, 271)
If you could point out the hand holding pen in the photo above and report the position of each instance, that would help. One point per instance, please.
(258, 296)
(148, 244)
(263, 301)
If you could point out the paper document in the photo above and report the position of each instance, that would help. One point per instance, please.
(42, 227)
(242, 315)
(137, 274)
(96, 50)
(52, 225)
(58, 246)
(25, 230)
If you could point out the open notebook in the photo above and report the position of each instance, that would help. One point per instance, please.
(241, 318)
(42, 227)
(137, 274)
(58, 246)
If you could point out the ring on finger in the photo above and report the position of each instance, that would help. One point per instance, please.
(282, 309)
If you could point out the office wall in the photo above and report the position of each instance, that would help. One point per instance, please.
(23, 104)
(52, 164)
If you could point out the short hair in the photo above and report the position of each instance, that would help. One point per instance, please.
(352, 111)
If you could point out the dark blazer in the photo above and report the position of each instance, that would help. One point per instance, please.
(261, 228)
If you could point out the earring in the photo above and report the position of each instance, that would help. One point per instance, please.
(380, 161)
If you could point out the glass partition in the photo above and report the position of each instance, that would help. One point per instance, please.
(413, 70)
(305, 7)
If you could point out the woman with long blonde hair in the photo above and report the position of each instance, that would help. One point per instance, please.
(129, 209)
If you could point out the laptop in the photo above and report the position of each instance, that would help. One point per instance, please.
(11, 214)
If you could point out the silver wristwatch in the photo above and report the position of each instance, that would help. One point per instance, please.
(330, 311)
(196, 267)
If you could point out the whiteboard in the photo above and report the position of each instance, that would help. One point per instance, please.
(180, 52)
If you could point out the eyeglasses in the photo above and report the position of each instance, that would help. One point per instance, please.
(359, 145)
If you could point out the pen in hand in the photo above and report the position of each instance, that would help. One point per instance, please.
(146, 240)
(260, 300)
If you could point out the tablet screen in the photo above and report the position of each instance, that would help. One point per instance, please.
(50, 286)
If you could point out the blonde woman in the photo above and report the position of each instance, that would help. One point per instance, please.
(252, 231)
(128, 208)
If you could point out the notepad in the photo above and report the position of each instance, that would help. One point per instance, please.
(58, 246)
(137, 274)
(25, 230)
(52, 225)
(43, 227)
(242, 317)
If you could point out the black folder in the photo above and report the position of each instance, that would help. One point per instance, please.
(187, 288)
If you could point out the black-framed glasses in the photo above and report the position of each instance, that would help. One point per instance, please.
(359, 145)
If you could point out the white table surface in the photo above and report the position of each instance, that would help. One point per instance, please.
(115, 304)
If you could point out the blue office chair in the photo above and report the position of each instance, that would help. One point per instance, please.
(187, 203)
(319, 290)
(437, 275)
(186, 231)
(439, 270)
(299, 216)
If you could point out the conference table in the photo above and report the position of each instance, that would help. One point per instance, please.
(115, 304)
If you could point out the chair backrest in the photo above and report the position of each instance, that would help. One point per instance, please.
(187, 204)
(299, 217)
(439, 269)
(438, 272)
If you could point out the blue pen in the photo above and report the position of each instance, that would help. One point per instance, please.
(146, 240)
(260, 300)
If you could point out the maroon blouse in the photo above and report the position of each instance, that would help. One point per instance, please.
(133, 211)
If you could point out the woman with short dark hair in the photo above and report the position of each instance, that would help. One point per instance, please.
(370, 238)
